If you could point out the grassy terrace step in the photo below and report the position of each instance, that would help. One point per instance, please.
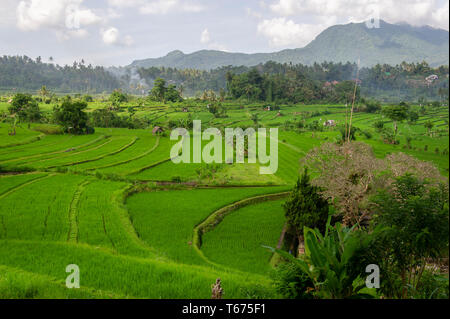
(68, 155)
(101, 269)
(77, 143)
(103, 219)
(20, 284)
(237, 240)
(101, 155)
(27, 141)
(102, 149)
(45, 141)
(165, 220)
(161, 153)
(143, 146)
(21, 185)
(10, 182)
(40, 210)
(23, 136)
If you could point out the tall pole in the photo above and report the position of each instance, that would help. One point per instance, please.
(353, 102)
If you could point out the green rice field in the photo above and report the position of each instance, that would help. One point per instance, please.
(114, 204)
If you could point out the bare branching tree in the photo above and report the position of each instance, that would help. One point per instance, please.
(350, 173)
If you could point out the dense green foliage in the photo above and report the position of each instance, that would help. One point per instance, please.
(25, 107)
(329, 82)
(329, 259)
(24, 73)
(415, 217)
(161, 93)
(71, 116)
(305, 206)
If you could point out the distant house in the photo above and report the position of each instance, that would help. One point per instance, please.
(157, 130)
(430, 79)
(329, 123)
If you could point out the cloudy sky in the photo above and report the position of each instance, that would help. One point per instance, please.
(116, 32)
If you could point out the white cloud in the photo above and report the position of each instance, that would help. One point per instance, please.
(158, 6)
(66, 17)
(205, 37)
(125, 4)
(218, 46)
(254, 14)
(440, 16)
(416, 12)
(111, 36)
(35, 14)
(113, 13)
(69, 34)
(282, 32)
(6, 7)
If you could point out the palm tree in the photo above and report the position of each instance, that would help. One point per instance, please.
(44, 92)
(180, 90)
(429, 126)
(255, 119)
(13, 132)
(248, 90)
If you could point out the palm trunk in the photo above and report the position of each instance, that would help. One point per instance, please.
(301, 245)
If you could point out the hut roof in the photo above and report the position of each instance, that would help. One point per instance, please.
(157, 129)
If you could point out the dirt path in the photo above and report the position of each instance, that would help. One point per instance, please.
(73, 213)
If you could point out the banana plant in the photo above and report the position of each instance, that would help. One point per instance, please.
(327, 260)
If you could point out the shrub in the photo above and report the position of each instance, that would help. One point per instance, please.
(328, 261)
(372, 106)
(176, 179)
(344, 132)
(305, 207)
(49, 129)
(71, 116)
(367, 134)
(408, 141)
(291, 282)
(25, 107)
(378, 125)
(388, 136)
(432, 286)
(414, 218)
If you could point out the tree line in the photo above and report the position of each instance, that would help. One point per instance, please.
(271, 81)
(21, 73)
(406, 81)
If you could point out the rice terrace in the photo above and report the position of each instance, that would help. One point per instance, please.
(345, 168)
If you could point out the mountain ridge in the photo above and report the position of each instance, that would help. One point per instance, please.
(390, 44)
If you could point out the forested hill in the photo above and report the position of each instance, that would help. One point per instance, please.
(25, 74)
(405, 81)
(390, 44)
